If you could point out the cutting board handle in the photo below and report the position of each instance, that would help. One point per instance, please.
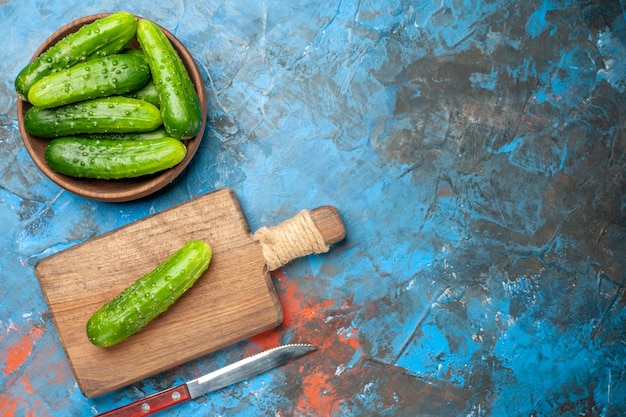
(308, 232)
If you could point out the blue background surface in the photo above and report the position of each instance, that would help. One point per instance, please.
(475, 150)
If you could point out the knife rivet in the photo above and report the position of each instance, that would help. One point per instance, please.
(176, 396)
(145, 407)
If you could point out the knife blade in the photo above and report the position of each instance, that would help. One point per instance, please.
(235, 372)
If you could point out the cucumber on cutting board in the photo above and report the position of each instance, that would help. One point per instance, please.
(149, 296)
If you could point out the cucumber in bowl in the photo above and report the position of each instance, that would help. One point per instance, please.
(105, 36)
(111, 159)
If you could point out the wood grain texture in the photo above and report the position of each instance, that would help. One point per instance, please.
(329, 223)
(233, 300)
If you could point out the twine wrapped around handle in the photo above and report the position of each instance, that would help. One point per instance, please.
(293, 238)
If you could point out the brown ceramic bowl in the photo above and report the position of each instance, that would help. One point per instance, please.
(113, 190)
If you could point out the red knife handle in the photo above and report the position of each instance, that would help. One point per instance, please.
(151, 404)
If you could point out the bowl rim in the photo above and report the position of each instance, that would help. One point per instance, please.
(124, 189)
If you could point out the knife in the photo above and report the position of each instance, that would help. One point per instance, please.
(236, 372)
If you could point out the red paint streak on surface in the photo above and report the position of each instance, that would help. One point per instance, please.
(8, 406)
(320, 322)
(25, 400)
(26, 386)
(350, 338)
(319, 394)
(296, 307)
(296, 310)
(19, 352)
(266, 340)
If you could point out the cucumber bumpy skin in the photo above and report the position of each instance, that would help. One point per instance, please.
(115, 114)
(97, 77)
(147, 93)
(113, 159)
(180, 105)
(153, 134)
(104, 36)
(149, 296)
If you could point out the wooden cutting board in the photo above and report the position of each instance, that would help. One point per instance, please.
(233, 300)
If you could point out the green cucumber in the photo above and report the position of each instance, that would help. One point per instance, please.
(180, 105)
(97, 77)
(147, 93)
(149, 296)
(115, 114)
(134, 51)
(112, 159)
(153, 134)
(103, 36)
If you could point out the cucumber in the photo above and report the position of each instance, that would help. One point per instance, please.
(97, 77)
(149, 296)
(153, 134)
(180, 105)
(103, 36)
(115, 114)
(112, 159)
(147, 93)
(135, 51)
